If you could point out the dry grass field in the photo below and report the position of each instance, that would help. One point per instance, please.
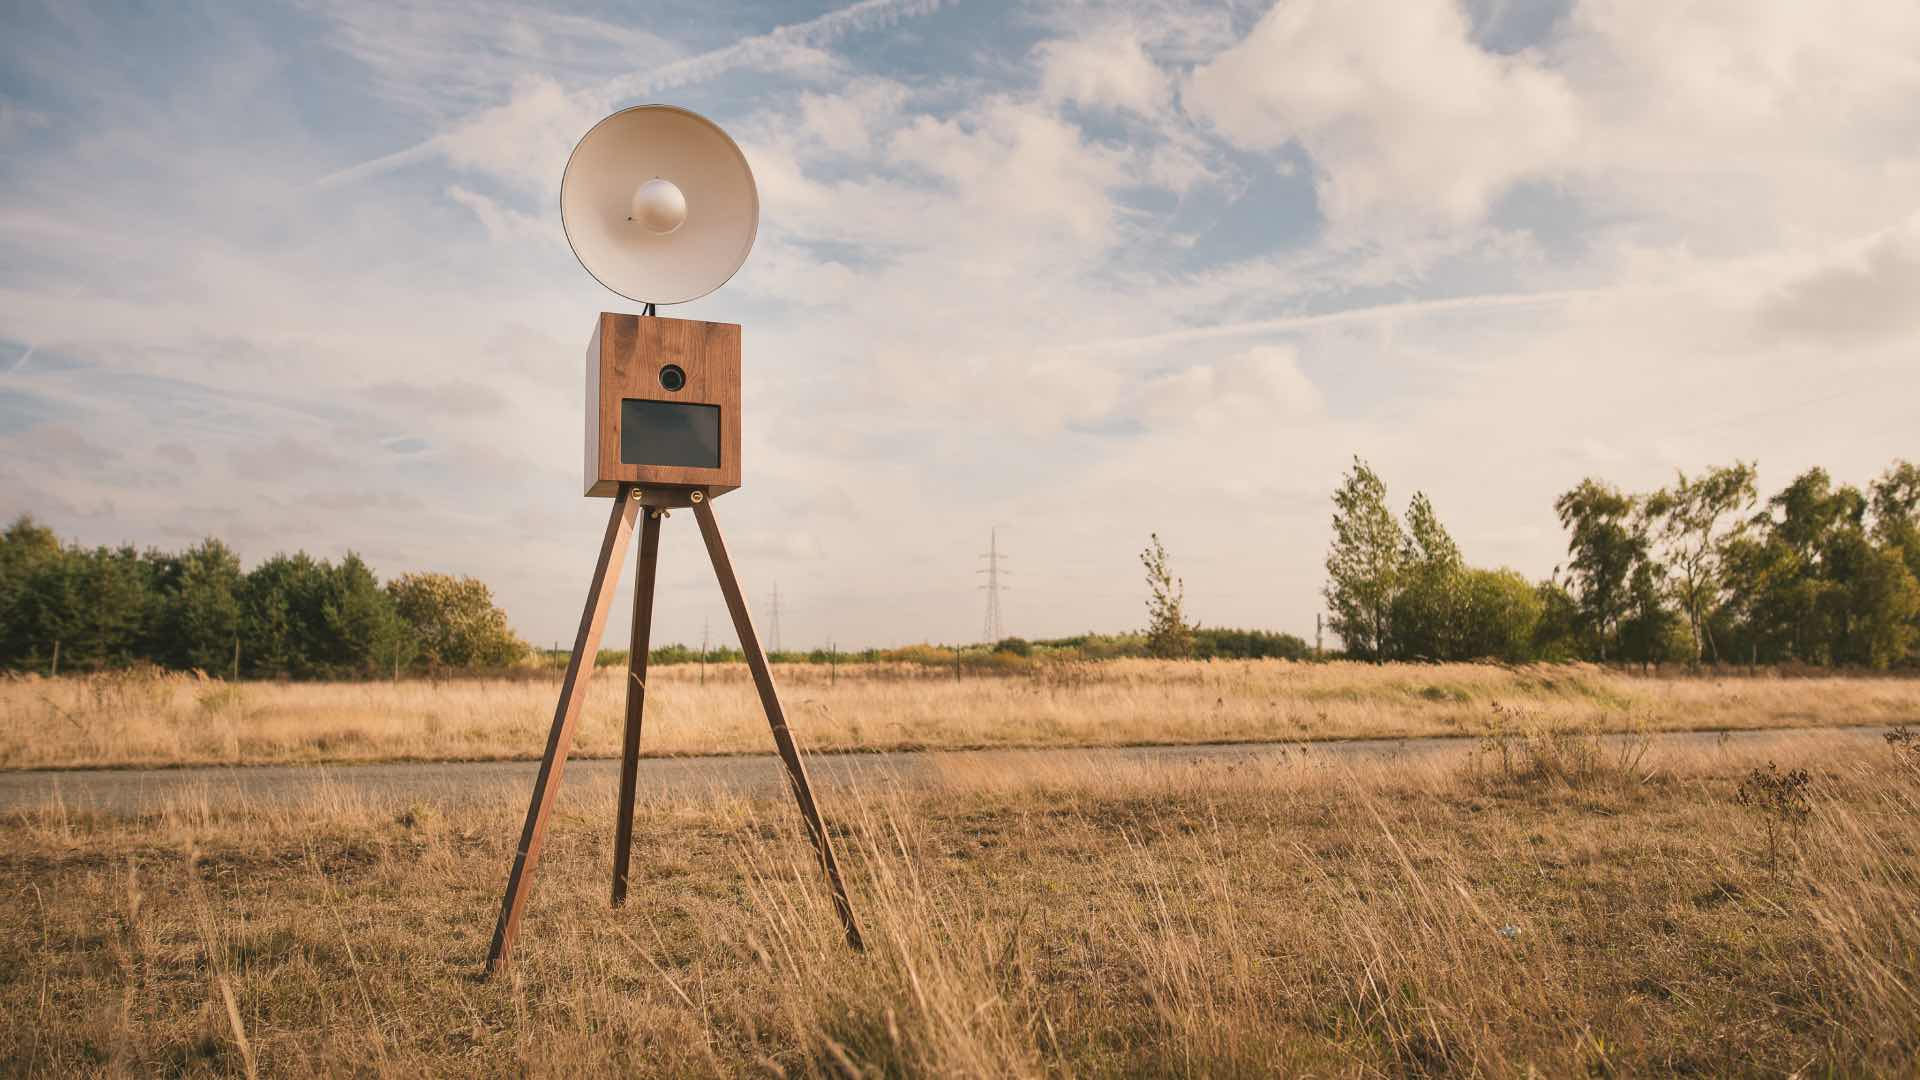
(157, 719)
(1555, 908)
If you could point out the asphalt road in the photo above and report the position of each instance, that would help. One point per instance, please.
(453, 784)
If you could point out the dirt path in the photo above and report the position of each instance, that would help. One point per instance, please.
(451, 784)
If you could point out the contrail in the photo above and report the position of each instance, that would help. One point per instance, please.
(1373, 313)
(819, 30)
(747, 52)
(380, 164)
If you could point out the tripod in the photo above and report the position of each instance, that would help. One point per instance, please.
(630, 502)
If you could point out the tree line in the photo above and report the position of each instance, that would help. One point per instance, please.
(68, 607)
(1700, 571)
(1009, 654)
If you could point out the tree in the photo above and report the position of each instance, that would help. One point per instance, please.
(1556, 636)
(1883, 599)
(364, 632)
(1607, 542)
(1429, 614)
(280, 606)
(1896, 512)
(197, 600)
(454, 622)
(1765, 580)
(1225, 644)
(94, 603)
(1169, 635)
(292, 615)
(1810, 525)
(25, 545)
(1896, 527)
(25, 548)
(1687, 521)
(1650, 631)
(1364, 565)
(309, 618)
(1501, 613)
(1815, 584)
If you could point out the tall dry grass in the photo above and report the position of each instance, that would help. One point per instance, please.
(137, 718)
(1516, 917)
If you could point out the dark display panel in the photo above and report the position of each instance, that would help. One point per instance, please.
(669, 433)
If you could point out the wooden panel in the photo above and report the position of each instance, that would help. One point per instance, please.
(631, 351)
(593, 416)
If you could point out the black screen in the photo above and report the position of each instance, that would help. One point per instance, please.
(669, 433)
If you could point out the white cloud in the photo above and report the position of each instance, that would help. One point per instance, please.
(520, 141)
(847, 120)
(1180, 165)
(1260, 386)
(1867, 295)
(503, 225)
(1402, 114)
(1107, 70)
(1736, 123)
(1016, 170)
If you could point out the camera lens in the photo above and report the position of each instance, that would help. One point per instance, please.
(672, 377)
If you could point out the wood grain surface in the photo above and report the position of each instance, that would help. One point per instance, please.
(624, 359)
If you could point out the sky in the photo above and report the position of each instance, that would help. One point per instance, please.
(293, 275)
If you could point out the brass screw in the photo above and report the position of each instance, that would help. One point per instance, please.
(699, 496)
(637, 493)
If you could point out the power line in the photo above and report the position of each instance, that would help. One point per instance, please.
(774, 637)
(991, 629)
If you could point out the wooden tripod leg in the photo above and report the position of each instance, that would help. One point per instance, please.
(613, 549)
(776, 716)
(638, 643)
